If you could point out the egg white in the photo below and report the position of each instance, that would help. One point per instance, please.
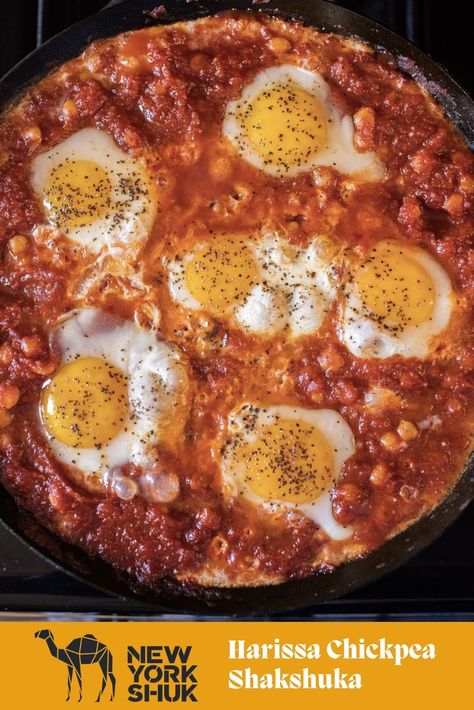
(339, 151)
(133, 203)
(366, 337)
(157, 387)
(329, 422)
(300, 287)
(293, 293)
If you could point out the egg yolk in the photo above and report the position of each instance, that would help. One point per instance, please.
(394, 288)
(77, 193)
(291, 461)
(86, 403)
(286, 125)
(221, 273)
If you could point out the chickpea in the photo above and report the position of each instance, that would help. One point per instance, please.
(379, 474)
(46, 367)
(466, 184)
(5, 418)
(6, 440)
(330, 360)
(69, 109)
(422, 161)
(417, 161)
(31, 345)
(9, 395)
(323, 176)
(391, 441)
(130, 62)
(315, 395)
(53, 498)
(364, 115)
(33, 135)
(17, 244)
(279, 45)
(131, 137)
(407, 430)
(454, 204)
(350, 491)
(346, 392)
(293, 227)
(6, 354)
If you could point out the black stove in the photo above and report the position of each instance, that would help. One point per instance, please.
(438, 583)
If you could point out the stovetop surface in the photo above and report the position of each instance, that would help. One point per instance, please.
(439, 582)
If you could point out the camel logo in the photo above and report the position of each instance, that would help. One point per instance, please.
(82, 651)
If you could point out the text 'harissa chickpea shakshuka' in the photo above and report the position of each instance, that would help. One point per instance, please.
(236, 294)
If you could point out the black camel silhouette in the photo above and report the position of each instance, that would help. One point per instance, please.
(81, 651)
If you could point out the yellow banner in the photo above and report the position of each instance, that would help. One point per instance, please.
(236, 665)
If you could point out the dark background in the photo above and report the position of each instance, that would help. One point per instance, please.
(442, 29)
(438, 583)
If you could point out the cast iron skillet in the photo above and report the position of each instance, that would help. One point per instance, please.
(294, 594)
